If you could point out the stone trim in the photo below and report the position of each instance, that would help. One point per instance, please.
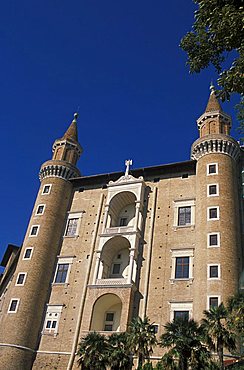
(218, 145)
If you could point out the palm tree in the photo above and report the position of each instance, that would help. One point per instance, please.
(217, 333)
(93, 352)
(119, 354)
(141, 338)
(185, 339)
(235, 307)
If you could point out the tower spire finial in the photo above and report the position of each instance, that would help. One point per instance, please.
(211, 87)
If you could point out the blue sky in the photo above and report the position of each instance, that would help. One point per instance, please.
(120, 63)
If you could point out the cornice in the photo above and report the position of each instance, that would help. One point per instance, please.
(215, 144)
(60, 169)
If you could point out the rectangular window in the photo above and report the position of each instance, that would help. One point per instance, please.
(21, 278)
(123, 221)
(13, 306)
(34, 230)
(182, 268)
(181, 310)
(46, 189)
(155, 328)
(213, 213)
(28, 254)
(116, 269)
(184, 216)
(61, 273)
(213, 271)
(51, 324)
(52, 318)
(109, 321)
(72, 227)
(213, 302)
(183, 315)
(213, 190)
(40, 209)
(212, 168)
(213, 240)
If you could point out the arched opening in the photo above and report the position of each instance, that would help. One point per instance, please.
(115, 259)
(106, 313)
(122, 210)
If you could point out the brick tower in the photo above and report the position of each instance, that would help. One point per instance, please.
(19, 334)
(217, 209)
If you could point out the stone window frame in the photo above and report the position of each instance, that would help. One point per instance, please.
(217, 190)
(181, 306)
(217, 169)
(218, 240)
(53, 313)
(66, 261)
(37, 207)
(208, 271)
(49, 190)
(34, 235)
(213, 296)
(184, 203)
(73, 215)
(23, 283)
(186, 252)
(17, 305)
(208, 215)
(28, 258)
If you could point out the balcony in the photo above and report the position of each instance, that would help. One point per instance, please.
(111, 283)
(118, 230)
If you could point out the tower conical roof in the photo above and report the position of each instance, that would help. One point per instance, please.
(72, 133)
(213, 103)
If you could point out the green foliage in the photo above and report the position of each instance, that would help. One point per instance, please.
(141, 338)
(147, 366)
(218, 35)
(119, 352)
(217, 333)
(185, 340)
(93, 352)
(235, 309)
(240, 115)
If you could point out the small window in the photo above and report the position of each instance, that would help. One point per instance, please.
(61, 273)
(116, 269)
(72, 225)
(109, 320)
(40, 209)
(21, 278)
(155, 328)
(51, 324)
(28, 254)
(53, 314)
(182, 315)
(184, 216)
(182, 268)
(213, 240)
(213, 213)
(123, 221)
(212, 190)
(213, 302)
(34, 230)
(13, 306)
(212, 169)
(46, 189)
(213, 272)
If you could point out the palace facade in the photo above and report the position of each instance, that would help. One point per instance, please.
(163, 241)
